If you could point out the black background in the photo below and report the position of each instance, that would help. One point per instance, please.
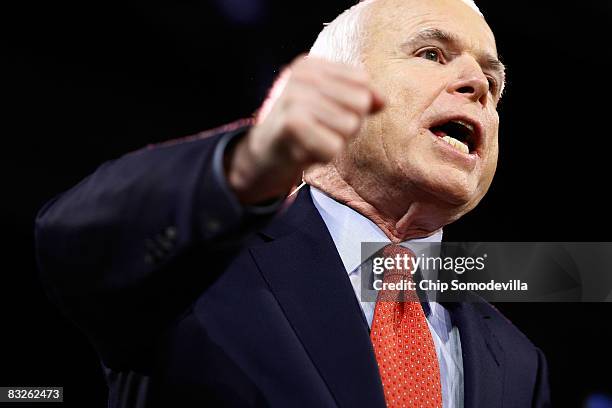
(86, 82)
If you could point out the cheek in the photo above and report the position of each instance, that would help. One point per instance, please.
(492, 148)
(406, 85)
(409, 99)
(401, 118)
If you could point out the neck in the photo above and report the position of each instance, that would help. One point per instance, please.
(397, 213)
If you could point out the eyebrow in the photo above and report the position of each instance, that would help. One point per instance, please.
(434, 34)
(428, 34)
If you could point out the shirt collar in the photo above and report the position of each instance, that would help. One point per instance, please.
(349, 229)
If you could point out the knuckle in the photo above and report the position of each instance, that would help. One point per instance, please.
(311, 78)
(363, 100)
(296, 121)
(331, 149)
(353, 122)
(296, 99)
(308, 77)
(289, 95)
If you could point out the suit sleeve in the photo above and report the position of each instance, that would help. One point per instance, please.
(127, 250)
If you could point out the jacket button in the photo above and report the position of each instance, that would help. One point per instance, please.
(171, 233)
(164, 242)
(213, 225)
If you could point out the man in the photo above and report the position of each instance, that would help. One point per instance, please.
(198, 285)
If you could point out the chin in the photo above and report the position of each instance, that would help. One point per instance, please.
(452, 186)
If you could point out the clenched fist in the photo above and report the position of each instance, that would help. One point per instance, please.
(320, 106)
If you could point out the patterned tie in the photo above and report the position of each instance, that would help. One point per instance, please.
(402, 342)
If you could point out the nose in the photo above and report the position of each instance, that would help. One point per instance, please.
(470, 82)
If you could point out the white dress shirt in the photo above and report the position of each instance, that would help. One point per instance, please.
(349, 229)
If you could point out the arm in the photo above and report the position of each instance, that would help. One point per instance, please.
(127, 250)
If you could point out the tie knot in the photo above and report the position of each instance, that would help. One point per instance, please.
(398, 260)
(398, 266)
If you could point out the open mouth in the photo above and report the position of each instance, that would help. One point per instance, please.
(460, 134)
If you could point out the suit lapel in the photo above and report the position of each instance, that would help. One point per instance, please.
(483, 358)
(306, 275)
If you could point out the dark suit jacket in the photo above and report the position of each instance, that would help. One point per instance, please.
(192, 300)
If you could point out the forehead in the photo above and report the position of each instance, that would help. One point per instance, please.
(391, 22)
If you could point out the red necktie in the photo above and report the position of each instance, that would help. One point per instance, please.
(403, 345)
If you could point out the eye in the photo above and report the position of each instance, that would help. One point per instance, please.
(432, 54)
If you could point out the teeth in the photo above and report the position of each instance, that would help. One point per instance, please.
(462, 147)
(464, 124)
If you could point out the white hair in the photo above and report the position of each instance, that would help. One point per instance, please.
(341, 40)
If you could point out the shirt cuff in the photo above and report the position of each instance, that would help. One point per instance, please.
(227, 141)
(227, 213)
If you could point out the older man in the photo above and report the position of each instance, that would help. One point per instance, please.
(197, 285)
